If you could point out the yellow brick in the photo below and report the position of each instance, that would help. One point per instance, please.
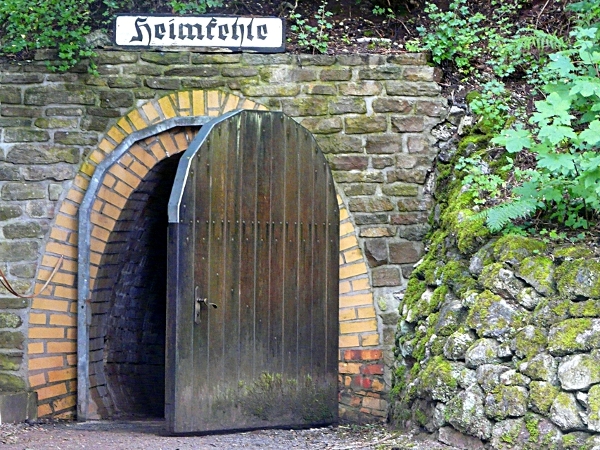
(45, 363)
(368, 340)
(348, 242)
(184, 100)
(349, 367)
(356, 300)
(37, 319)
(50, 305)
(345, 287)
(347, 314)
(230, 104)
(62, 347)
(65, 292)
(348, 341)
(198, 107)
(343, 214)
(213, 100)
(361, 284)
(44, 333)
(247, 104)
(262, 108)
(35, 348)
(363, 313)
(62, 375)
(358, 326)
(116, 134)
(353, 255)
(125, 125)
(151, 112)
(106, 146)
(63, 319)
(346, 228)
(137, 120)
(65, 403)
(352, 270)
(167, 107)
(52, 391)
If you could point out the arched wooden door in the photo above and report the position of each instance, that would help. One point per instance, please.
(252, 309)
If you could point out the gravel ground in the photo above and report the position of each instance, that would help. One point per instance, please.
(150, 435)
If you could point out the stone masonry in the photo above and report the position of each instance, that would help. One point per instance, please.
(372, 116)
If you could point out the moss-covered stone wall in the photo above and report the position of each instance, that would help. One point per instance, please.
(498, 344)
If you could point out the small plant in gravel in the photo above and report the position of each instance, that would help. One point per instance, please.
(313, 37)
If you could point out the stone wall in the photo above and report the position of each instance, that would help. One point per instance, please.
(498, 342)
(372, 115)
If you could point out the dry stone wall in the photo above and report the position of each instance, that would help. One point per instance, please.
(372, 115)
(499, 337)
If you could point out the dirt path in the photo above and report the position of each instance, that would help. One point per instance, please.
(150, 435)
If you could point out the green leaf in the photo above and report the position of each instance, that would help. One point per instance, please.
(591, 134)
(515, 139)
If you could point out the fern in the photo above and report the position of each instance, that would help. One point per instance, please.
(538, 40)
(500, 216)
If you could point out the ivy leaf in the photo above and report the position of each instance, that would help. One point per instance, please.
(514, 140)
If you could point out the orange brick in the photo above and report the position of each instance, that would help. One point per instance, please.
(63, 319)
(59, 235)
(37, 380)
(35, 348)
(93, 271)
(111, 211)
(66, 415)
(368, 340)
(158, 151)
(168, 144)
(65, 292)
(137, 120)
(140, 170)
(72, 333)
(358, 326)
(100, 233)
(45, 333)
(97, 156)
(365, 313)
(361, 284)
(72, 360)
(62, 375)
(345, 367)
(151, 112)
(356, 300)
(64, 403)
(81, 182)
(352, 270)
(94, 259)
(346, 228)
(105, 222)
(377, 385)
(48, 362)
(37, 319)
(144, 157)
(353, 255)
(125, 160)
(62, 249)
(109, 180)
(51, 391)
(120, 173)
(61, 347)
(50, 305)
(181, 142)
(112, 197)
(124, 189)
(348, 341)
(345, 287)
(65, 221)
(198, 105)
(44, 410)
(348, 242)
(69, 207)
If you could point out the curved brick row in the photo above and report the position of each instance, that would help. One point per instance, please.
(52, 344)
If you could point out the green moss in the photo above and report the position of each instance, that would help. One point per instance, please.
(514, 249)
(456, 274)
(594, 402)
(564, 338)
(420, 417)
(529, 342)
(438, 298)
(542, 395)
(437, 372)
(480, 311)
(573, 252)
(531, 423)
(539, 272)
(579, 278)
(589, 308)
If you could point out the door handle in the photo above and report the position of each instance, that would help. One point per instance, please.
(198, 306)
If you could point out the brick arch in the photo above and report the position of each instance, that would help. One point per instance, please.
(52, 338)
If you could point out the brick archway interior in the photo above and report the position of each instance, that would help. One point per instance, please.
(126, 215)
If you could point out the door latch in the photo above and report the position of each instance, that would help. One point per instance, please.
(198, 306)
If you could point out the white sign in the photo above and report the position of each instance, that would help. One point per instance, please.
(265, 34)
